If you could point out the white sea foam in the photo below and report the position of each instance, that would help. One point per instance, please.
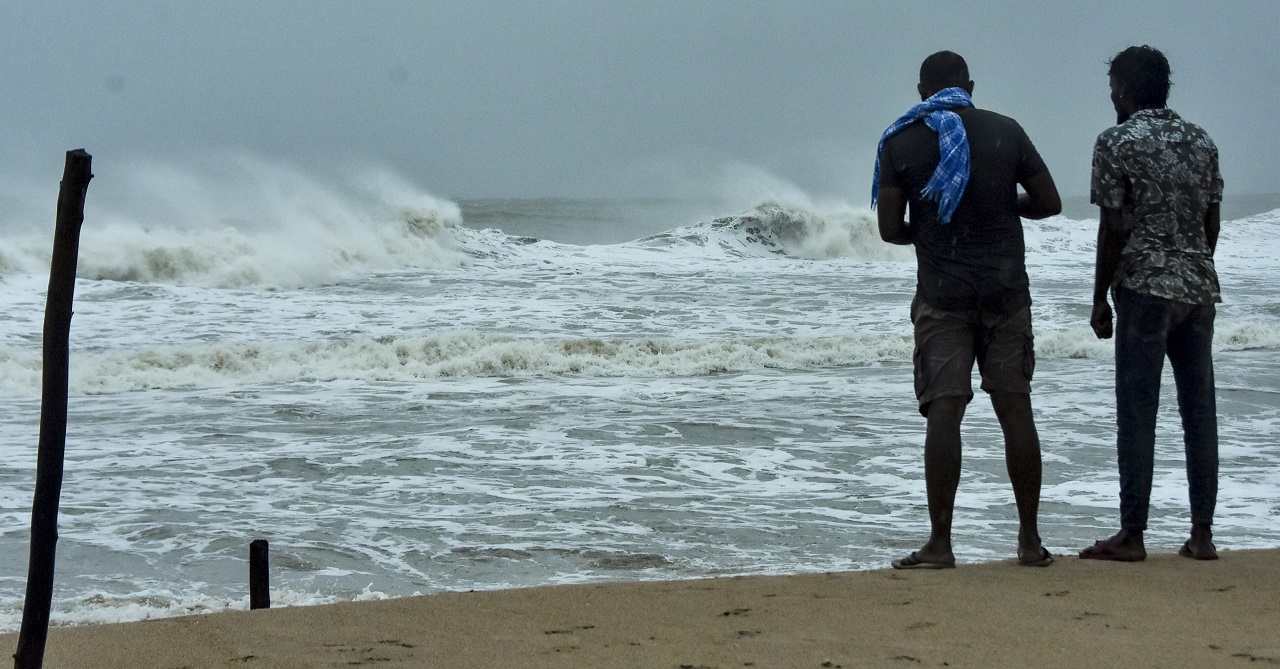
(732, 396)
(455, 354)
(774, 228)
(244, 222)
(101, 608)
(1272, 216)
(470, 354)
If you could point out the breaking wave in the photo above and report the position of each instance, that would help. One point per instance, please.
(774, 228)
(473, 354)
(246, 223)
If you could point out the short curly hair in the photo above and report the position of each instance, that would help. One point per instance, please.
(1144, 72)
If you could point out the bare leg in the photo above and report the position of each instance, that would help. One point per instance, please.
(942, 476)
(1022, 459)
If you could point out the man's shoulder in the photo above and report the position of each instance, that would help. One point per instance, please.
(915, 133)
(1142, 127)
(1192, 132)
(987, 114)
(984, 122)
(1117, 134)
(992, 118)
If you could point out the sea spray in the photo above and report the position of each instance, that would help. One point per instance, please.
(242, 222)
(554, 410)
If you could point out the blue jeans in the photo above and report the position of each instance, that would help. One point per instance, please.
(1148, 329)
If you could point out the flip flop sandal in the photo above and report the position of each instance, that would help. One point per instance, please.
(1101, 551)
(1046, 559)
(1186, 552)
(914, 562)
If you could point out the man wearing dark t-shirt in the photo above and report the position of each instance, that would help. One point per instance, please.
(958, 170)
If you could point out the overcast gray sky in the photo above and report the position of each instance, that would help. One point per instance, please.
(603, 97)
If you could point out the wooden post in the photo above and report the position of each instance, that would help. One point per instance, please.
(259, 576)
(53, 411)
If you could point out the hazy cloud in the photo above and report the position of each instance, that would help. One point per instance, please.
(505, 98)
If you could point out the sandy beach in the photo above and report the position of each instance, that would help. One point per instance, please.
(1166, 612)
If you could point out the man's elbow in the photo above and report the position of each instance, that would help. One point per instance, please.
(1054, 206)
(1043, 205)
(892, 224)
(1111, 231)
(1212, 226)
(1041, 199)
(895, 234)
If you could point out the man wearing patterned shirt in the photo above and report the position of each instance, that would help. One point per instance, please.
(1156, 180)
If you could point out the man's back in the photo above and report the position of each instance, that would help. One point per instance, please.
(972, 304)
(1162, 173)
(1156, 182)
(977, 261)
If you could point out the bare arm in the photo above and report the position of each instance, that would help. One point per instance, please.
(1111, 241)
(891, 212)
(1041, 199)
(1212, 223)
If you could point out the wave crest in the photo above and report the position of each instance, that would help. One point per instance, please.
(242, 222)
(472, 354)
(775, 228)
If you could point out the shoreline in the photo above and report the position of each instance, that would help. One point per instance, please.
(1168, 611)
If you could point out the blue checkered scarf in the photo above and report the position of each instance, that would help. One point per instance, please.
(952, 175)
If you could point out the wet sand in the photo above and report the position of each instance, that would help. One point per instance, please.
(1166, 612)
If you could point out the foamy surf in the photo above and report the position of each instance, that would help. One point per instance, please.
(433, 406)
(773, 228)
(245, 223)
(479, 355)
(104, 608)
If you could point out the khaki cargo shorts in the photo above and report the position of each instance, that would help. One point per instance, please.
(948, 342)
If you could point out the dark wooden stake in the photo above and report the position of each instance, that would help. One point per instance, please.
(53, 411)
(259, 578)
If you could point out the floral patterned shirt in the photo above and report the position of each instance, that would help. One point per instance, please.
(1161, 172)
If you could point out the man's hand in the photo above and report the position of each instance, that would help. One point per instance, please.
(1101, 319)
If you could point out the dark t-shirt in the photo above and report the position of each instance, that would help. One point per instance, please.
(977, 261)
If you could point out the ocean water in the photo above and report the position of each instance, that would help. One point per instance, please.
(404, 394)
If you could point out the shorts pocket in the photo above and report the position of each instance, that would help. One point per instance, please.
(1029, 357)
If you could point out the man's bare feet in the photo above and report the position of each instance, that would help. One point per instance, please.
(1036, 557)
(1200, 545)
(933, 555)
(915, 561)
(1032, 553)
(1123, 546)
